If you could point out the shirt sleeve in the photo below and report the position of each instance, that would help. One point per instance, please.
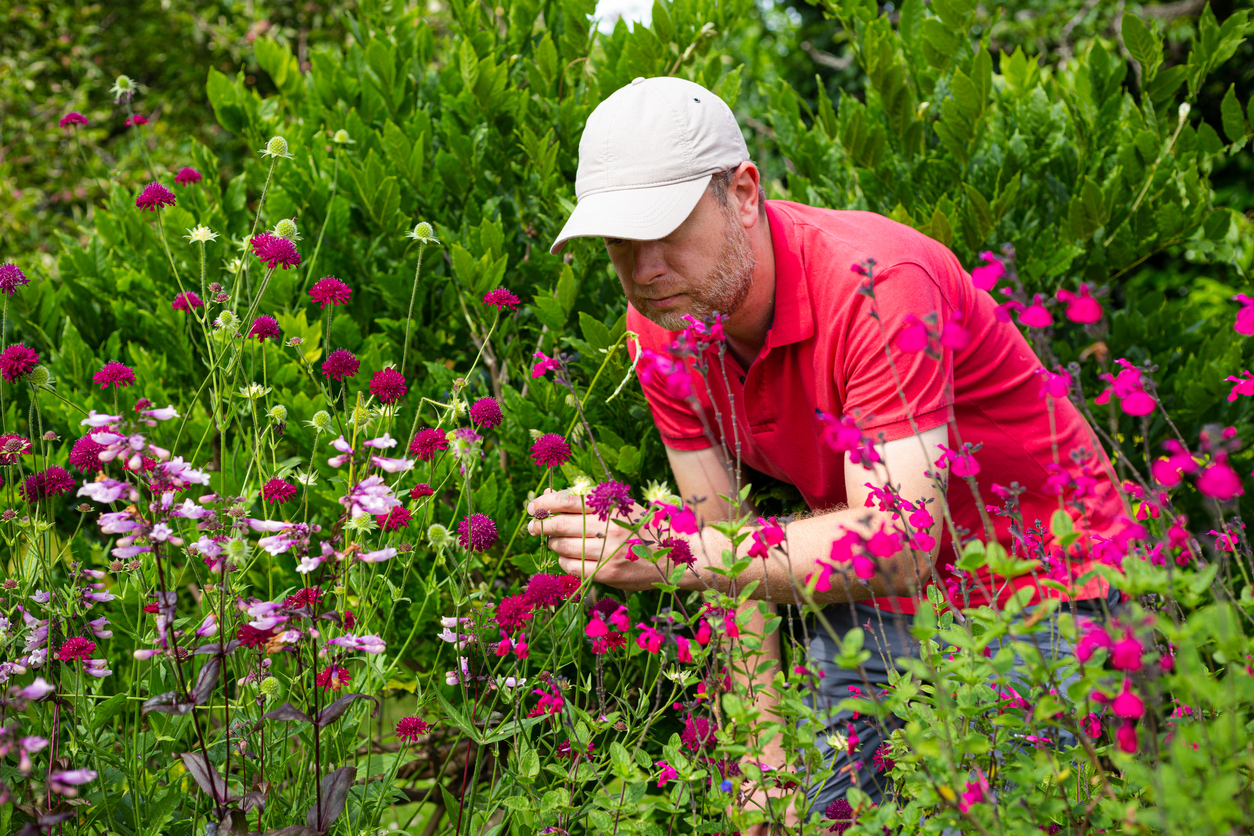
(870, 376)
(679, 426)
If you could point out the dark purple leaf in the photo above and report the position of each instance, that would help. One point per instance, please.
(335, 787)
(207, 680)
(336, 709)
(213, 648)
(253, 801)
(331, 615)
(286, 711)
(206, 775)
(171, 702)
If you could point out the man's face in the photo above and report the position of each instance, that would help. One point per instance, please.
(705, 265)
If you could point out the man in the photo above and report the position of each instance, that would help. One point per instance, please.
(665, 179)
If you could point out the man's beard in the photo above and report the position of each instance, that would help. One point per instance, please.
(724, 289)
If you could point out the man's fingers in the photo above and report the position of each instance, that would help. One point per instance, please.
(557, 502)
(566, 525)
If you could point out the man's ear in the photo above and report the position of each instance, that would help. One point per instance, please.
(745, 191)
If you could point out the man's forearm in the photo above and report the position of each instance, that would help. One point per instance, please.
(809, 541)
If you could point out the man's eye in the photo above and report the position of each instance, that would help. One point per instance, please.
(614, 242)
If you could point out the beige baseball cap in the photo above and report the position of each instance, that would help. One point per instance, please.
(646, 157)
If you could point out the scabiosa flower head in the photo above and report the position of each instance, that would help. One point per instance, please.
(681, 552)
(286, 228)
(883, 759)
(46, 483)
(544, 591)
(250, 636)
(16, 361)
(422, 489)
(486, 413)
(608, 498)
(409, 728)
(276, 147)
(513, 613)
(340, 364)
(501, 299)
(187, 176)
(698, 733)
(273, 251)
(123, 89)
(329, 290)
(550, 450)
(388, 385)
(76, 648)
(73, 118)
(423, 233)
(265, 328)
(116, 375)
(395, 519)
(476, 533)
(11, 278)
(154, 196)
(135, 121)
(841, 812)
(186, 301)
(12, 447)
(277, 491)
(332, 677)
(86, 455)
(307, 597)
(427, 443)
(341, 137)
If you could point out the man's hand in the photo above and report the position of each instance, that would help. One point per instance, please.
(586, 546)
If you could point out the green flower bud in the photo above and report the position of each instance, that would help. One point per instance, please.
(423, 233)
(276, 147)
(286, 228)
(342, 138)
(237, 549)
(278, 413)
(438, 536)
(270, 687)
(39, 376)
(321, 421)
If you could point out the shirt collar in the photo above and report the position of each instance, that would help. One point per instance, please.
(794, 317)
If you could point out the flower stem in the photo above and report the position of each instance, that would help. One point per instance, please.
(409, 317)
(261, 202)
(335, 176)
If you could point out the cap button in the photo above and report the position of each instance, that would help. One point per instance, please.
(637, 80)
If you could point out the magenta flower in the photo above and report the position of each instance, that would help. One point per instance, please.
(330, 291)
(395, 519)
(840, 810)
(988, 274)
(114, 374)
(668, 773)
(332, 678)
(608, 498)
(73, 118)
(11, 278)
(698, 733)
(76, 648)
(46, 484)
(388, 385)
(513, 613)
(1036, 315)
(187, 176)
(135, 120)
(545, 591)
(1126, 654)
(1081, 307)
(550, 450)
(274, 251)
(186, 301)
(1127, 704)
(154, 196)
(477, 533)
(1128, 387)
(914, 336)
(960, 464)
(427, 443)
(86, 455)
(409, 728)
(1245, 316)
(12, 448)
(1241, 385)
(265, 328)
(340, 364)
(278, 491)
(1126, 737)
(1220, 481)
(16, 361)
(486, 413)
(422, 489)
(501, 299)
(544, 364)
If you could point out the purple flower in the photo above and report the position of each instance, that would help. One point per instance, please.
(265, 328)
(550, 450)
(154, 196)
(186, 301)
(273, 251)
(46, 484)
(427, 443)
(67, 781)
(388, 385)
(340, 364)
(486, 413)
(73, 118)
(16, 362)
(330, 291)
(278, 491)
(11, 278)
(477, 533)
(609, 497)
(187, 176)
(114, 374)
(501, 299)
(410, 728)
(135, 121)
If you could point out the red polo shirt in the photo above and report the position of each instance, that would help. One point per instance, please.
(825, 352)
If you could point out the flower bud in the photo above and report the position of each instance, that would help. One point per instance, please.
(237, 549)
(342, 138)
(438, 536)
(1184, 111)
(39, 376)
(270, 687)
(321, 421)
(278, 413)
(424, 233)
(276, 147)
(286, 228)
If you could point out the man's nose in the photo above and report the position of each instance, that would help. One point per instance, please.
(648, 265)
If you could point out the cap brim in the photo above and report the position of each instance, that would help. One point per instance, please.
(636, 214)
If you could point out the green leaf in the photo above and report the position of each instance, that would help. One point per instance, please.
(567, 289)
(973, 556)
(594, 331)
(1142, 44)
(1021, 72)
(549, 311)
(1060, 524)
(225, 100)
(1233, 118)
(106, 711)
(728, 87)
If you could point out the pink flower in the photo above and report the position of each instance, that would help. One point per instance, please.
(76, 648)
(332, 678)
(275, 251)
(668, 373)
(1126, 737)
(549, 703)
(1092, 725)
(954, 334)
(683, 650)
(1129, 388)
(550, 450)
(187, 176)
(486, 413)
(73, 118)
(1054, 385)
(768, 533)
(154, 196)
(265, 328)
(914, 336)
(1245, 316)
(648, 639)
(330, 291)
(1128, 704)
(986, 276)
(135, 120)
(340, 364)
(86, 455)
(477, 533)
(278, 491)
(1220, 481)
(395, 519)
(960, 464)
(12, 277)
(668, 773)
(843, 435)
(388, 385)
(410, 728)
(609, 498)
(1126, 654)
(1093, 637)
(1081, 307)
(974, 794)
(1241, 386)
(543, 364)
(186, 301)
(501, 299)
(1036, 315)
(427, 443)
(116, 374)
(514, 612)
(46, 483)
(882, 543)
(16, 361)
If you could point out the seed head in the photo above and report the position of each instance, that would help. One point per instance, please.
(423, 233)
(276, 147)
(321, 421)
(439, 537)
(237, 549)
(123, 90)
(342, 138)
(278, 413)
(39, 376)
(286, 228)
(270, 687)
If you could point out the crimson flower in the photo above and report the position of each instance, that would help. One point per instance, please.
(186, 301)
(330, 291)
(76, 648)
(608, 498)
(274, 251)
(550, 450)
(477, 533)
(427, 443)
(135, 120)
(73, 118)
(420, 490)
(115, 374)
(501, 299)
(154, 196)
(513, 613)
(278, 491)
(46, 484)
(409, 728)
(486, 413)
(187, 176)
(395, 519)
(16, 361)
(265, 328)
(12, 447)
(86, 455)
(388, 385)
(340, 364)
(11, 278)
(332, 678)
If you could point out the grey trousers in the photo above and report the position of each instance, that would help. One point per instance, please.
(887, 636)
